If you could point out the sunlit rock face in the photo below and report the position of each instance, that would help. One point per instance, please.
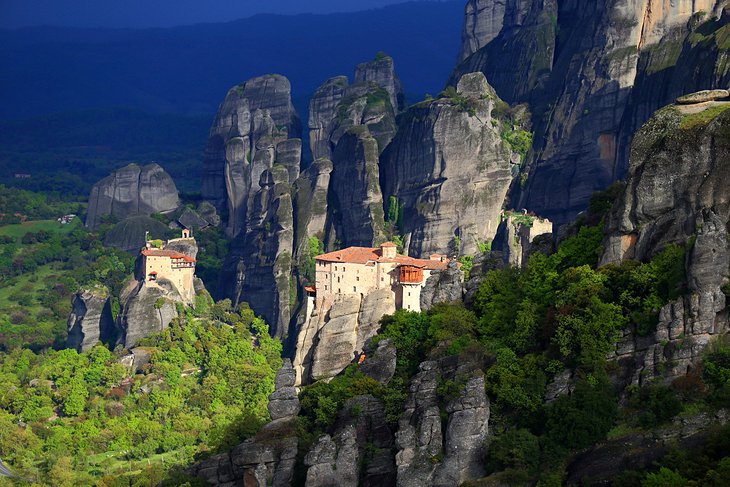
(592, 73)
(676, 192)
(449, 170)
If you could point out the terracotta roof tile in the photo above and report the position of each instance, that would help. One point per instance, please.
(167, 253)
(366, 255)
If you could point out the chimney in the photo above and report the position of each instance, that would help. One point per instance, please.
(388, 250)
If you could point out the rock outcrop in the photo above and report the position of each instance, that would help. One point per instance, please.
(381, 72)
(327, 344)
(519, 237)
(446, 286)
(592, 73)
(145, 310)
(130, 191)
(90, 321)
(356, 209)
(450, 170)
(322, 111)
(427, 453)
(251, 131)
(269, 458)
(253, 158)
(677, 189)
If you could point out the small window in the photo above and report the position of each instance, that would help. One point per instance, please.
(339, 290)
(409, 306)
(343, 268)
(354, 289)
(338, 278)
(382, 279)
(325, 287)
(335, 267)
(358, 278)
(409, 293)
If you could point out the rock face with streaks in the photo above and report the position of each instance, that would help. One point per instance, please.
(450, 170)
(252, 159)
(446, 286)
(132, 191)
(428, 454)
(327, 344)
(381, 72)
(322, 111)
(676, 189)
(90, 321)
(592, 73)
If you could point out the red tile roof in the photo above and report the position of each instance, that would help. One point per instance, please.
(167, 253)
(365, 255)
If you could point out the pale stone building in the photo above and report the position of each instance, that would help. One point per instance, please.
(361, 270)
(172, 265)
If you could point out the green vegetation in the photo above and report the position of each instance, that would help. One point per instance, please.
(306, 265)
(40, 271)
(700, 119)
(81, 419)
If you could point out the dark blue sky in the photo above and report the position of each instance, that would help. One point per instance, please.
(161, 13)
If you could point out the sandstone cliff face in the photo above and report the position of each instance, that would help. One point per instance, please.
(145, 310)
(592, 73)
(252, 159)
(381, 71)
(328, 343)
(427, 453)
(259, 265)
(132, 191)
(450, 171)
(677, 188)
(251, 131)
(356, 203)
(90, 321)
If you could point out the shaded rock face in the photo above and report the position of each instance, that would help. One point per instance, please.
(129, 234)
(269, 458)
(372, 100)
(130, 191)
(251, 131)
(602, 463)
(676, 188)
(252, 159)
(450, 171)
(258, 268)
(354, 196)
(327, 344)
(592, 73)
(90, 321)
(145, 310)
(446, 286)
(380, 361)
(361, 437)
(428, 454)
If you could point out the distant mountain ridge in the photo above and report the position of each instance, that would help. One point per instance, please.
(184, 69)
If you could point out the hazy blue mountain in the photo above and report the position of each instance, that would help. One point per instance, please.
(188, 69)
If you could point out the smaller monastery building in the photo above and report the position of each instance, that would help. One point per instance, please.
(360, 270)
(171, 265)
